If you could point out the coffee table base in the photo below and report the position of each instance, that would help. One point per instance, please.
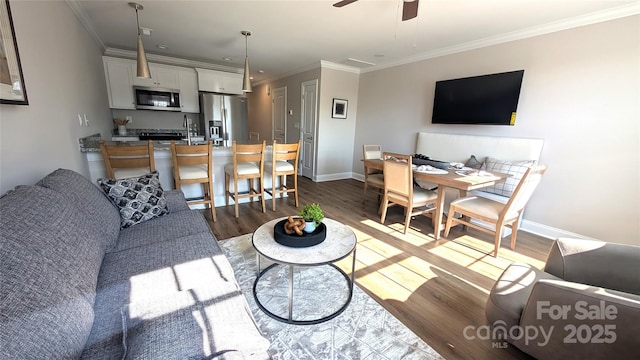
(290, 319)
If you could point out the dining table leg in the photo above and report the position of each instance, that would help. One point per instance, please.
(437, 227)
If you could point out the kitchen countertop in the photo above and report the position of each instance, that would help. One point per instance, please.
(90, 144)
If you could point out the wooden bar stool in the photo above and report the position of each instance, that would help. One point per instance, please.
(124, 161)
(280, 167)
(248, 163)
(193, 164)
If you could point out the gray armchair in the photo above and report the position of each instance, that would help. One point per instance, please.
(584, 305)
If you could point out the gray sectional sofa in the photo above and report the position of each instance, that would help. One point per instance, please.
(76, 285)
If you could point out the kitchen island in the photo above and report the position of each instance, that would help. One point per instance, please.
(164, 164)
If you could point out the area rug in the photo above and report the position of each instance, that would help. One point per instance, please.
(365, 330)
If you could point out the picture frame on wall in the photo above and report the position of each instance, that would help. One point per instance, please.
(12, 89)
(339, 109)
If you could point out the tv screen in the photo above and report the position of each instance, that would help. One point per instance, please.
(486, 100)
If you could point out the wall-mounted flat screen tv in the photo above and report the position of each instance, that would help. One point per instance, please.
(485, 100)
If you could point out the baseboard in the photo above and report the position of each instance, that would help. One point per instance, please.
(336, 176)
(549, 232)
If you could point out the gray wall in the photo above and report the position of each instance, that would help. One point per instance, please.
(580, 94)
(64, 77)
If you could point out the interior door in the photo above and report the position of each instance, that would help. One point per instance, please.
(308, 118)
(279, 114)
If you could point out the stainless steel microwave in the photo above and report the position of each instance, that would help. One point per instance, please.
(157, 99)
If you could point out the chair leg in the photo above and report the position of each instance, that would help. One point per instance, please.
(498, 239)
(383, 210)
(449, 224)
(514, 232)
(407, 219)
(226, 188)
(261, 180)
(235, 193)
(212, 203)
(273, 190)
(251, 189)
(295, 186)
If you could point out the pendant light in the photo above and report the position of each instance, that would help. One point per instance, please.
(143, 66)
(246, 80)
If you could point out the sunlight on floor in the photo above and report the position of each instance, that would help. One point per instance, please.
(397, 269)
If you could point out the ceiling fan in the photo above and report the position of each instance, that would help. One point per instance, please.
(409, 8)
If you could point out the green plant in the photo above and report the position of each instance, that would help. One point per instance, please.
(312, 212)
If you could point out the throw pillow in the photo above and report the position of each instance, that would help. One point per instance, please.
(473, 163)
(515, 168)
(139, 198)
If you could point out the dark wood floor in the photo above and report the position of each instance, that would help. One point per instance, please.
(435, 288)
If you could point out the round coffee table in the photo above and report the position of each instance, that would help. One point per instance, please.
(339, 243)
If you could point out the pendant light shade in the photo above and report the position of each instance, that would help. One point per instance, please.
(246, 80)
(143, 66)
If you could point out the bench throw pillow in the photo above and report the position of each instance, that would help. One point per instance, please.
(473, 163)
(139, 198)
(515, 168)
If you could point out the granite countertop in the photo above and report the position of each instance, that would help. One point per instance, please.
(90, 144)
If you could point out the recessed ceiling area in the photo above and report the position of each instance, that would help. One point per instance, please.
(291, 36)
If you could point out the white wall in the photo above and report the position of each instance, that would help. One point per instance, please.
(335, 137)
(581, 94)
(63, 77)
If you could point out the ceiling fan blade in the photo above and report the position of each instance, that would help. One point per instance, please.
(409, 10)
(343, 3)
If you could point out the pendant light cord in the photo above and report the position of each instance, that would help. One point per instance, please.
(137, 21)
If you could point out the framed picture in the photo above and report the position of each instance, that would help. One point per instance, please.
(12, 89)
(339, 109)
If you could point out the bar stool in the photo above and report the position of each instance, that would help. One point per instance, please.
(124, 161)
(248, 163)
(280, 167)
(193, 164)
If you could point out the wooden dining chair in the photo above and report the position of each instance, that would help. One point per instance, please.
(124, 161)
(399, 189)
(193, 164)
(495, 213)
(248, 163)
(280, 166)
(372, 177)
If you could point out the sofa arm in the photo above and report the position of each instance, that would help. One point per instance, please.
(597, 263)
(581, 322)
(175, 200)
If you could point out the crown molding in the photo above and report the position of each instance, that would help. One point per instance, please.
(86, 22)
(588, 19)
(340, 67)
(169, 60)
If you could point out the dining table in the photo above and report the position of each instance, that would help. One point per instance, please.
(461, 179)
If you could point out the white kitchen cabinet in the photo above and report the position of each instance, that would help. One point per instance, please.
(162, 76)
(219, 81)
(119, 76)
(189, 90)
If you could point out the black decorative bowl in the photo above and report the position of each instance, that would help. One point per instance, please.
(294, 240)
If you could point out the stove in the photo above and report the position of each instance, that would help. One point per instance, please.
(160, 136)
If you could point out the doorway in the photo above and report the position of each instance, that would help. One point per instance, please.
(308, 120)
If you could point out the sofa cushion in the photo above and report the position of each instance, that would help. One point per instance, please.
(144, 272)
(515, 168)
(54, 232)
(164, 228)
(89, 200)
(210, 322)
(139, 198)
(43, 315)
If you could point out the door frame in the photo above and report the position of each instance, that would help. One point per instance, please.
(313, 82)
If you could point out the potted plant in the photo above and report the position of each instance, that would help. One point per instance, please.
(312, 215)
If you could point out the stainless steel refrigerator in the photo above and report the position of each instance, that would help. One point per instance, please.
(224, 118)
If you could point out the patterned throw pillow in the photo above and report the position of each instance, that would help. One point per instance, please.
(515, 168)
(473, 163)
(139, 198)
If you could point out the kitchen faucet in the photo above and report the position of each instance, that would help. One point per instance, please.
(186, 126)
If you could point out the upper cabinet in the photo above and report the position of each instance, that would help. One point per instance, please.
(219, 81)
(162, 76)
(119, 76)
(189, 90)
